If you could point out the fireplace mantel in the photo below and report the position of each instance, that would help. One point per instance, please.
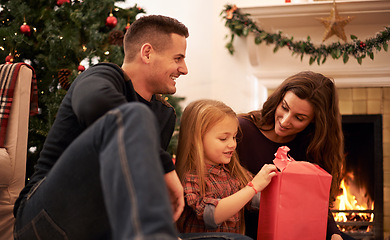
(299, 20)
(302, 14)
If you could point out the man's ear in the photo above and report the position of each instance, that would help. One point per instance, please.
(146, 51)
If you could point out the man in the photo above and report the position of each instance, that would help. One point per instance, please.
(102, 169)
(99, 176)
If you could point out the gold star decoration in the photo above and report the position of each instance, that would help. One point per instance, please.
(335, 24)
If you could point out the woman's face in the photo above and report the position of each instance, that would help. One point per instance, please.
(292, 116)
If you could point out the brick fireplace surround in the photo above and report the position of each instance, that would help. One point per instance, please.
(373, 101)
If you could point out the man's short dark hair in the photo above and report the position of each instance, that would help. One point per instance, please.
(154, 29)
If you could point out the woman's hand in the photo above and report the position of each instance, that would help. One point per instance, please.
(336, 237)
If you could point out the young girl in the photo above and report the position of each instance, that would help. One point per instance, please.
(216, 186)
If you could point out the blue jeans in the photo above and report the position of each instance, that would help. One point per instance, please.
(108, 184)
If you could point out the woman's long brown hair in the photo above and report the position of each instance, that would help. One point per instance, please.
(326, 147)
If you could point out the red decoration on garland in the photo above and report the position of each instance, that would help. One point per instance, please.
(60, 2)
(229, 13)
(81, 68)
(9, 59)
(25, 29)
(111, 21)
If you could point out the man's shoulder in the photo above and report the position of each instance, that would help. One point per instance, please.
(160, 99)
(103, 69)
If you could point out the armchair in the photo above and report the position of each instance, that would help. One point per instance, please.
(16, 83)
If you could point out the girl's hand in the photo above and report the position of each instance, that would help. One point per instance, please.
(264, 176)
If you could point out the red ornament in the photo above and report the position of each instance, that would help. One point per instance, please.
(111, 21)
(9, 59)
(60, 2)
(25, 29)
(127, 26)
(81, 68)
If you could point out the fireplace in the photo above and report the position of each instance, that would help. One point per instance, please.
(363, 88)
(358, 210)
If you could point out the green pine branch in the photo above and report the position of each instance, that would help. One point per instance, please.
(241, 25)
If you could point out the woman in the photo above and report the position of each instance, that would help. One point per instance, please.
(302, 114)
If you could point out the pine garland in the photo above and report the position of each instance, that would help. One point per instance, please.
(241, 25)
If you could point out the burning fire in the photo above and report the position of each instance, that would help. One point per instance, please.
(355, 198)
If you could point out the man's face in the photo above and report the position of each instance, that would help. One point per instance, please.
(167, 66)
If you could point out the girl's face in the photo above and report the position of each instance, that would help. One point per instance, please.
(292, 116)
(219, 143)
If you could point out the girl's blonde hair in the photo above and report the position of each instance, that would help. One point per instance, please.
(198, 118)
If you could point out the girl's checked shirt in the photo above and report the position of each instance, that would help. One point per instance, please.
(198, 214)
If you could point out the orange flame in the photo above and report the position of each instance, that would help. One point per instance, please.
(353, 198)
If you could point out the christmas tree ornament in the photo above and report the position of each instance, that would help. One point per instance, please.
(9, 59)
(81, 68)
(111, 21)
(60, 2)
(335, 24)
(25, 29)
(63, 78)
(127, 26)
(116, 37)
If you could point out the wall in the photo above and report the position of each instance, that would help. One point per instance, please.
(213, 72)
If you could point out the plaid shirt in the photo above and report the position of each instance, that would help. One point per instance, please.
(198, 215)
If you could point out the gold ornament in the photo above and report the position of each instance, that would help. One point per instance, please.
(335, 24)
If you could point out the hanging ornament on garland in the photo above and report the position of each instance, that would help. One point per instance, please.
(25, 29)
(60, 2)
(335, 24)
(111, 21)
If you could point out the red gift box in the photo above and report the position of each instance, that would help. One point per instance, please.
(295, 204)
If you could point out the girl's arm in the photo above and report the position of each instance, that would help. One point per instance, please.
(229, 206)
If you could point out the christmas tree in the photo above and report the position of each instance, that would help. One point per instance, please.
(58, 37)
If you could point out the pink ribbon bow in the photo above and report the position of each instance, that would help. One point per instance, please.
(281, 158)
